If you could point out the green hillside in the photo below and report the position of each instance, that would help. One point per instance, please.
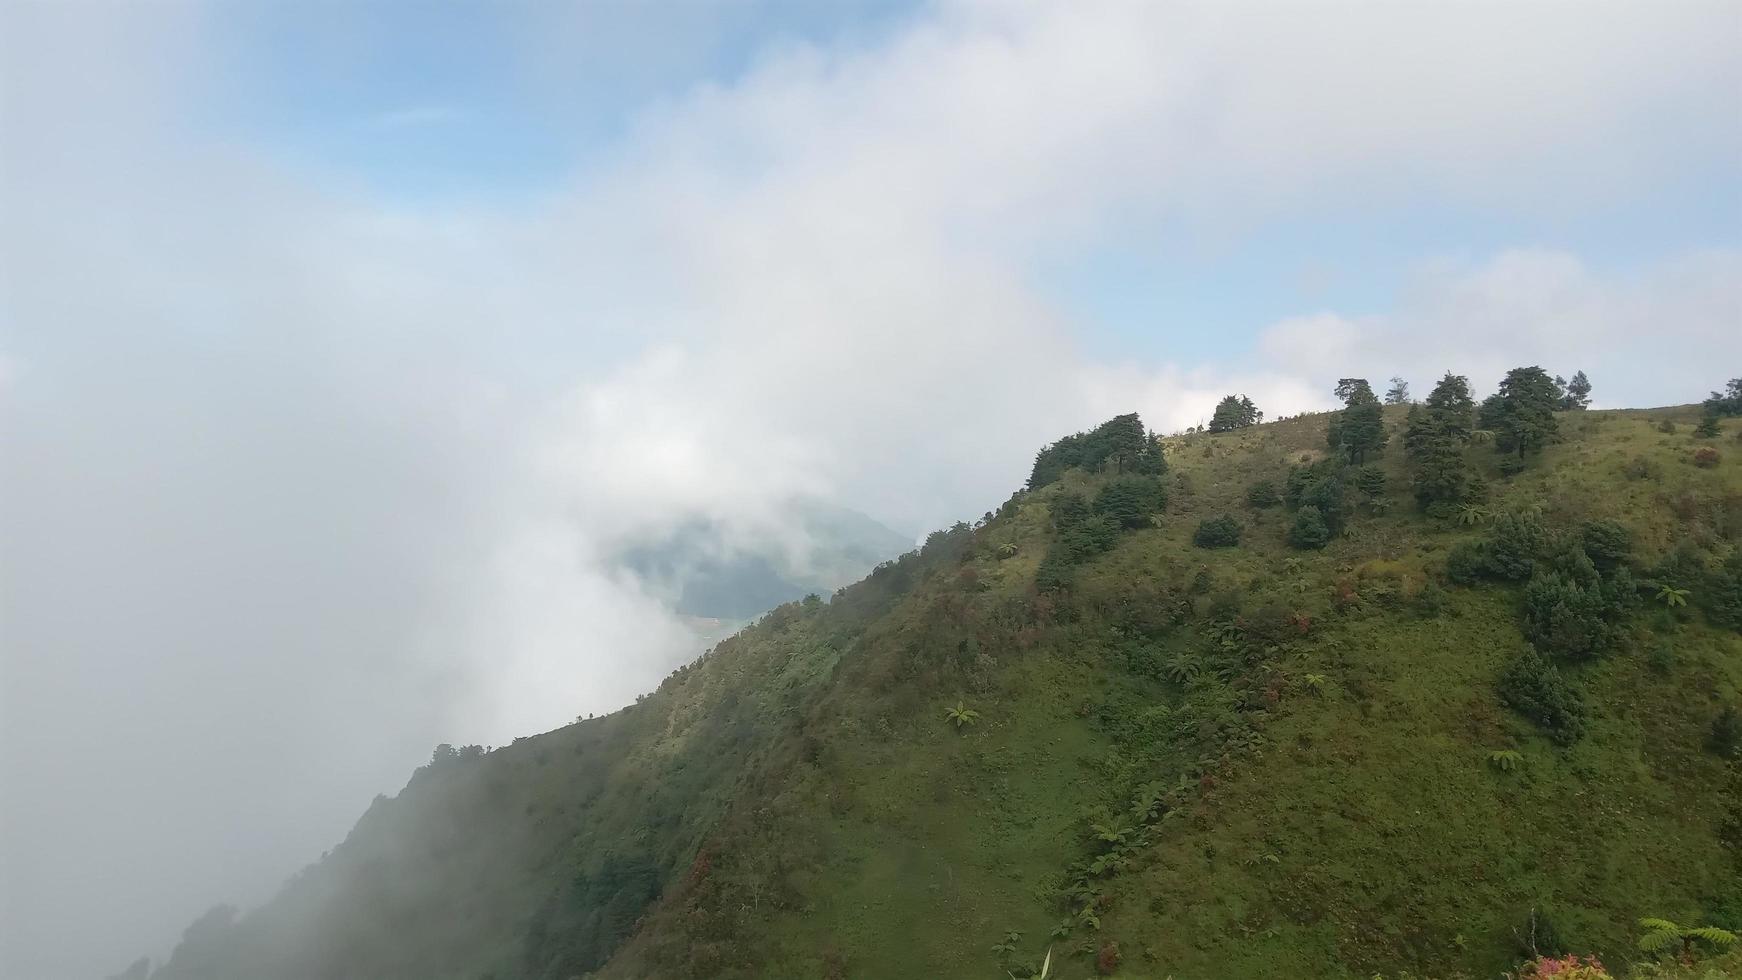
(1458, 690)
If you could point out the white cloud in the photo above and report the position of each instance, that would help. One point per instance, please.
(1647, 338)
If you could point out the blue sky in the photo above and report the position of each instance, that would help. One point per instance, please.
(430, 102)
(436, 106)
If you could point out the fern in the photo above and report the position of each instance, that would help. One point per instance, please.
(1506, 760)
(1662, 935)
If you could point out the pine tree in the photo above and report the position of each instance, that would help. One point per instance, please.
(1360, 427)
(1577, 394)
(1435, 439)
(1522, 411)
(1398, 394)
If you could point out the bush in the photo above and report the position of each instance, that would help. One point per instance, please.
(1370, 480)
(1263, 494)
(1705, 457)
(1309, 531)
(1723, 594)
(1726, 736)
(1708, 427)
(1667, 427)
(1430, 601)
(1512, 465)
(1466, 562)
(1218, 532)
(1532, 687)
(1131, 501)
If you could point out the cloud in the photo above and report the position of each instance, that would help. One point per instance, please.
(298, 484)
(1645, 338)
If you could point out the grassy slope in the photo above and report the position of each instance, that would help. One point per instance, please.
(1368, 833)
(806, 812)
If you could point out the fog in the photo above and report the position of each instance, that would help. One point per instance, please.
(297, 481)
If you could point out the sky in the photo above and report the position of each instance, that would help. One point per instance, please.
(343, 346)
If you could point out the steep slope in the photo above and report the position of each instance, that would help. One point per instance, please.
(1252, 760)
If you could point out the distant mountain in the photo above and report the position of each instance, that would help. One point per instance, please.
(710, 573)
(1344, 695)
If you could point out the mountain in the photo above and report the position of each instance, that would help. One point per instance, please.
(1222, 705)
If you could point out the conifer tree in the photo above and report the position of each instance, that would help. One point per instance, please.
(1522, 411)
(1360, 427)
(1577, 394)
(1398, 394)
(1435, 439)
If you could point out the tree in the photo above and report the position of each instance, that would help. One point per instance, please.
(1576, 394)
(1708, 427)
(1360, 427)
(1234, 412)
(1728, 401)
(1522, 411)
(1398, 393)
(1121, 441)
(1532, 687)
(1309, 531)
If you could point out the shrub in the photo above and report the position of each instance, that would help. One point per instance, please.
(1217, 532)
(1705, 457)
(1512, 465)
(1708, 427)
(1067, 509)
(1107, 960)
(1430, 601)
(1309, 531)
(1202, 582)
(1517, 540)
(1531, 686)
(1564, 618)
(1131, 501)
(1263, 494)
(1370, 480)
(1640, 468)
(1667, 427)
(1466, 562)
(1723, 593)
